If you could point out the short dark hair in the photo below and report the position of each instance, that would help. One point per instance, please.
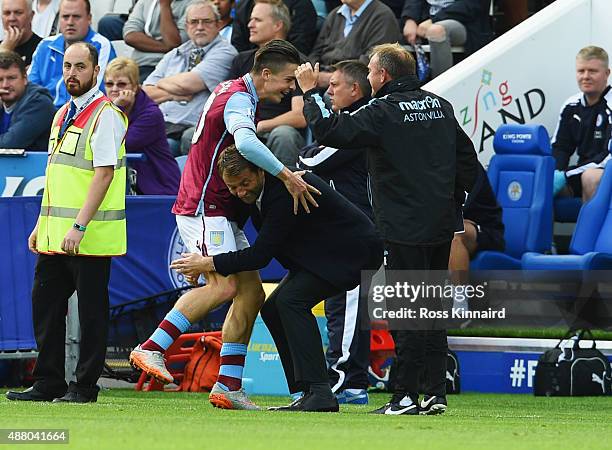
(232, 163)
(9, 59)
(93, 51)
(275, 55)
(395, 59)
(87, 5)
(355, 72)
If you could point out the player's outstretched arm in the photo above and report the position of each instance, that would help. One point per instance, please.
(241, 125)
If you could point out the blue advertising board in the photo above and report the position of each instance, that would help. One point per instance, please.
(22, 175)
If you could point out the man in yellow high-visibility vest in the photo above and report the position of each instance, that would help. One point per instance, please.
(81, 225)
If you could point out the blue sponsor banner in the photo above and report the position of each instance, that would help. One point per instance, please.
(17, 219)
(500, 372)
(22, 175)
(263, 371)
(497, 371)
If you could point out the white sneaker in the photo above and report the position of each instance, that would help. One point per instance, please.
(152, 363)
(221, 398)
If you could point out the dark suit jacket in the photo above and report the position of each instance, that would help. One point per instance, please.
(335, 241)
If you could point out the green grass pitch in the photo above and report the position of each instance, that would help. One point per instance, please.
(125, 419)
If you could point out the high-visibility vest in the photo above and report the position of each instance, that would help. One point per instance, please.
(68, 178)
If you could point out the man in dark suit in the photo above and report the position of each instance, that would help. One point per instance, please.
(324, 251)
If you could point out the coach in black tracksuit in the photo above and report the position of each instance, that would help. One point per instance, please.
(348, 352)
(422, 163)
(324, 251)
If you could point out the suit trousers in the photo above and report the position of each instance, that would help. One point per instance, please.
(55, 280)
(419, 350)
(288, 315)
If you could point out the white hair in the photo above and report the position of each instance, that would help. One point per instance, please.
(28, 4)
(211, 5)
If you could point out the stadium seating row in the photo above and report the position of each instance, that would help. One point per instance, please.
(521, 175)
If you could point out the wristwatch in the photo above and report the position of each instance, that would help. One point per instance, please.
(81, 228)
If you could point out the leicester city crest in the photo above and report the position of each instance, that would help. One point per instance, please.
(175, 249)
(515, 191)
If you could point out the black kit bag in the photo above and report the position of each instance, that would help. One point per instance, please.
(573, 371)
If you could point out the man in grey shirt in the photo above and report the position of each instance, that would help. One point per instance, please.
(153, 28)
(184, 78)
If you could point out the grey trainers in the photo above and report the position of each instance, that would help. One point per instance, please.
(221, 398)
(152, 363)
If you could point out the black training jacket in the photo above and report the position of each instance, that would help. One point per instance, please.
(345, 170)
(420, 164)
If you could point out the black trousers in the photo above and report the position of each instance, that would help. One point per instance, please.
(55, 279)
(288, 315)
(419, 350)
(348, 353)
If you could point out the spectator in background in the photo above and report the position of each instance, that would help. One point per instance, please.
(585, 127)
(17, 22)
(350, 31)
(184, 78)
(280, 124)
(445, 23)
(348, 352)
(154, 28)
(46, 17)
(48, 59)
(225, 22)
(27, 109)
(111, 25)
(303, 30)
(159, 173)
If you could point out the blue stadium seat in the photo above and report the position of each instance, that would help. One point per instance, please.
(591, 246)
(521, 175)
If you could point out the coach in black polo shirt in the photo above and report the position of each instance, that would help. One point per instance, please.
(324, 251)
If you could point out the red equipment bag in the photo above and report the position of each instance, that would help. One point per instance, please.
(202, 370)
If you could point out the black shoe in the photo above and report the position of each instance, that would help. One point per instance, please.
(432, 404)
(30, 395)
(293, 403)
(311, 403)
(399, 405)
(395, 409)
(76, 397)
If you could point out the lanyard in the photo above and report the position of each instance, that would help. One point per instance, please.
(79, 110)
(73, 118)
